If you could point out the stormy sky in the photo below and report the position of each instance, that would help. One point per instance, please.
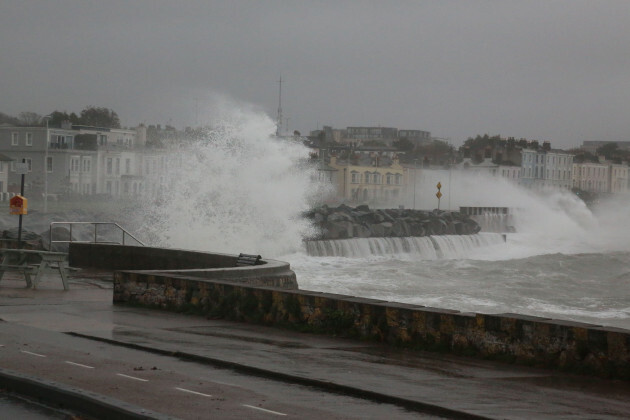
(547, 70)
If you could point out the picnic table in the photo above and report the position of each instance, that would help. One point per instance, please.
(33, 262)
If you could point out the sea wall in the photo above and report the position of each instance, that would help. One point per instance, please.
(345, 222)
(543, 342)
(267, 294)
(181, 266)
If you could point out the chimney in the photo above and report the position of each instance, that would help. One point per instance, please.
(141, 136)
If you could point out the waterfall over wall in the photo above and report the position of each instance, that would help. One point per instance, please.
(426, 247)
(491, 222)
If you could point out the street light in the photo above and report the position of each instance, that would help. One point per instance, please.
(415, 176)
(47, 117)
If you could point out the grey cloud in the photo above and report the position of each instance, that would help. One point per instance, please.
(536, 69)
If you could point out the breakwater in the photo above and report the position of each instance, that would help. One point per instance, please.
(544, 342)
(346, 222)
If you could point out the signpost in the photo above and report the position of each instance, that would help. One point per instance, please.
(438, 194)
(18, 204)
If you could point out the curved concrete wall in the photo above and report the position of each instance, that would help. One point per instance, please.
(180, 264)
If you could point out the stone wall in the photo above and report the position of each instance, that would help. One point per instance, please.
(570, 346)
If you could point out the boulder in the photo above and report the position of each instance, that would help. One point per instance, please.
(346, 222)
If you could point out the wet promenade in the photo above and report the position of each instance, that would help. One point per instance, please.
(139, 363)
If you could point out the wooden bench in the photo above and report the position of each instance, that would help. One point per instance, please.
(29, 262)
(246, 259)
(26, 270)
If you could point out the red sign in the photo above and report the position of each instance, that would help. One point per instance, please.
(18, 205)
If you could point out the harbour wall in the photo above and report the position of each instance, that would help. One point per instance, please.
(535, 341)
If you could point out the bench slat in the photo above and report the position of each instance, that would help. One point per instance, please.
(246, 259)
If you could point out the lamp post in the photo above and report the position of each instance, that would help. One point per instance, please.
(47, 117)
(450, 185)
(415, 175)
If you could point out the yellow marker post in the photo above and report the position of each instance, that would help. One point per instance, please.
(438, 194)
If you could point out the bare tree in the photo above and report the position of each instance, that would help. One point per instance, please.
(28, 118)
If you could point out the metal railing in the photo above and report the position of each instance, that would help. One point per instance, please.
(95, 238)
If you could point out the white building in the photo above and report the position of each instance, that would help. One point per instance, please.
(486, 167)
(81, 161)
(5, 163)
(46, 153)
(543, 168)
(509, 173)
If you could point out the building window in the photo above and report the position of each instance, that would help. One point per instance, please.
(127, 166)
(29, 139)
(109, 169)
(15, 139)
(87, 165)
(49, 164)
(117, 166)
(355, 177)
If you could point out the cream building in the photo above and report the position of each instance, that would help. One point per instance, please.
(601, 177)
(619, 179)
(368, 181)
(591, 177)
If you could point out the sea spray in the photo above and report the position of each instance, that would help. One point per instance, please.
(235, 189)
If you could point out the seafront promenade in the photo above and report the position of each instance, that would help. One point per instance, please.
(139, 363)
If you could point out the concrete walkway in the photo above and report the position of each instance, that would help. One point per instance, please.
(404, 382)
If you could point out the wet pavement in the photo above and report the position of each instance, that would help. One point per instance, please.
(182, 366)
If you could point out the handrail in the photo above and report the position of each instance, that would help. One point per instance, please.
(95, 239)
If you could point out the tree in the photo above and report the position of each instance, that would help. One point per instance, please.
(608, 150)
(481, 142)
(99, 117)
(374, 143)
(403, 144)
(29, 119)
(7, 119)
(58, 117)
(581, 156)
